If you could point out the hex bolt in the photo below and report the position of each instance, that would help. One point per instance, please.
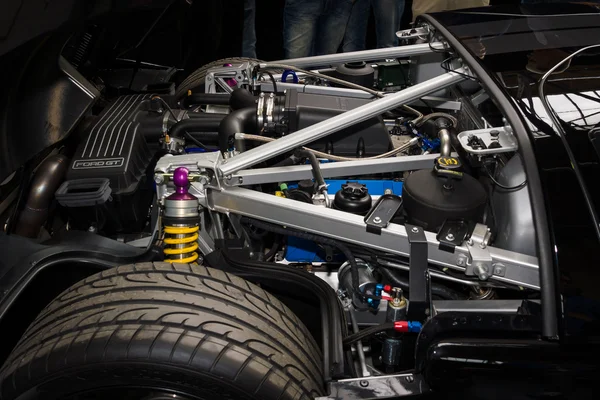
(470, 242)
(159, 179)
(450, 237)
(388, 191)
(482, 271)
(377, 220)
(364, 383)
(415, 229)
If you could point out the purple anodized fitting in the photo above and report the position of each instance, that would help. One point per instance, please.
(180, 179)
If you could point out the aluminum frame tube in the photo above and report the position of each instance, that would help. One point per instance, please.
(331, 170)
(339, 122)
(363, 55)
(517, 269)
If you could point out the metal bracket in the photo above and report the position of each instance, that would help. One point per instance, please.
(382, 213)
(419, 32)
(481, 259)
(419, 299)
(377, 387)
(217, 76)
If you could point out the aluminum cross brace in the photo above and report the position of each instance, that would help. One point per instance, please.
(339, 122)
(331, 170)
(365, 55)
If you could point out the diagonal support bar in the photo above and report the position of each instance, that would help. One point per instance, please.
(339, 122)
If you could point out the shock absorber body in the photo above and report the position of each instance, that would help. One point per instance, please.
(181, 222)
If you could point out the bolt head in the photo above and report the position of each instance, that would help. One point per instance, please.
(410, 379)
(377, 220)
(470, 242)
(461, 261)
(482, 271)
(415, 229)
(159, 179)
(388, 191)
(450, 237)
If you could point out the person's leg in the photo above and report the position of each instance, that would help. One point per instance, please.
(300, 18)
(249, 33)
(355, 37)
(332, 26)
(388, 14)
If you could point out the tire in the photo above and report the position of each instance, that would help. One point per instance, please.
(196, 78)
(185, 329)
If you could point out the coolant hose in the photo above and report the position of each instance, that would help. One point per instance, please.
(316, 167)
(242, 120)
(436, 289)
(241, 98)
(46, 181)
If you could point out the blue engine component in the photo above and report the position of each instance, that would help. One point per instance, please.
(300, 250)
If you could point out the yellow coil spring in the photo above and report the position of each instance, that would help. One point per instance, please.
(181, 244)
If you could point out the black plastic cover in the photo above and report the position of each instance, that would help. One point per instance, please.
(114, 147)
(305, 109)
(83, 192)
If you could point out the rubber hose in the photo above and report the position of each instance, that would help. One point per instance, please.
(194, 125)
(316, 167)
(46, 181)
(365, 333)
(436, 289)
(221, 99)
(242, 120)
(319, 239)
(241, 98)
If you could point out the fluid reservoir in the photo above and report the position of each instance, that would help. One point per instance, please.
(354, 198)
(433, 196)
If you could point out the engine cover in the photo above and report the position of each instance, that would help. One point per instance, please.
(114, 148)
(109, 183)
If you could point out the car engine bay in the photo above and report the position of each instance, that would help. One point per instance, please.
(390, 174)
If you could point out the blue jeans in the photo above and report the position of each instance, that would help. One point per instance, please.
(388, 14)
(314, 27)
(249, 32)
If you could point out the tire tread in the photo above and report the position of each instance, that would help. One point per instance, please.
(179, 314)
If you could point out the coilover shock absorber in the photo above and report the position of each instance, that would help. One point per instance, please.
(181, 222)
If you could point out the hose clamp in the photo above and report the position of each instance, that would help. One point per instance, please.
(260, 109)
